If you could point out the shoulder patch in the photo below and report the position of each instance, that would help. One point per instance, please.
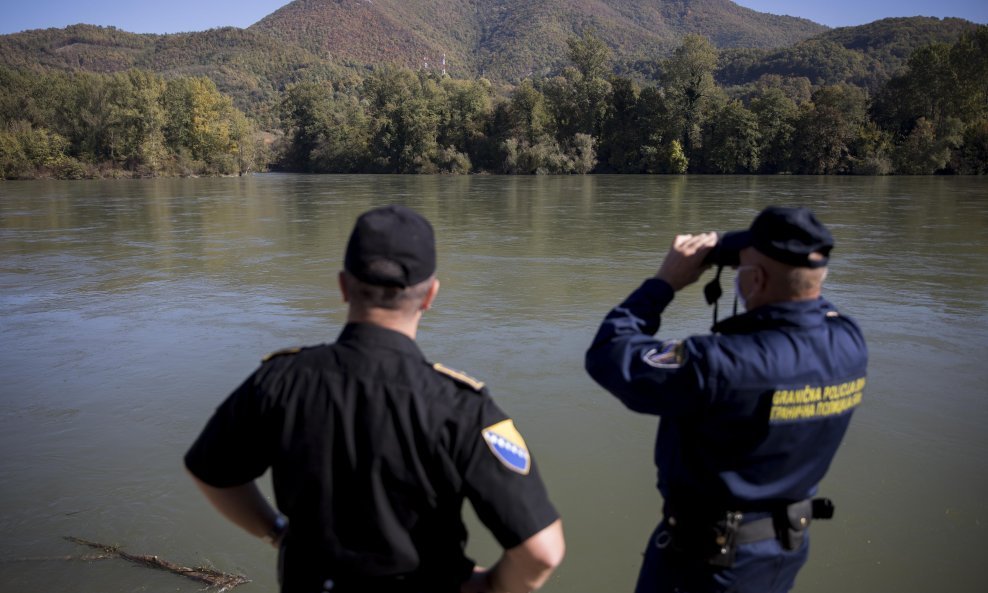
(670, 355)
(282, 352)
(459, 376)
(508, 446)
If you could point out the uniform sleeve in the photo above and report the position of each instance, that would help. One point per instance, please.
(231, 450)
(647, 375)
(500, 477)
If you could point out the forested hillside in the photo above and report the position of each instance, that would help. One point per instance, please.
(894, 96)
(250, 66)
(253, 67)
(930, 118)
(513, 39)
(866, 56)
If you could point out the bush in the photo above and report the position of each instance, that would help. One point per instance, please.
(450, 160)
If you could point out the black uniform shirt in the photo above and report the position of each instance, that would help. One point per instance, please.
(373, 450)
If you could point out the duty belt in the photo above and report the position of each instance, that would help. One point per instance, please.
(716, 539)
(797, 517)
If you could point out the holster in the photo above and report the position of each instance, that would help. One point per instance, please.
(792, 523)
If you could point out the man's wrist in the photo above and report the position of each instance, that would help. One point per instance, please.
(659, 291)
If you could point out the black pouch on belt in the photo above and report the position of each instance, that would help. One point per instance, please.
(707, 538)
(725, 541)
(792, 524)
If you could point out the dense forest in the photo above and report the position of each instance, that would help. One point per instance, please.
(930, 118)
(80, 125)
(833, 104)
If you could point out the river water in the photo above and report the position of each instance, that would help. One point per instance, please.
(129, 309)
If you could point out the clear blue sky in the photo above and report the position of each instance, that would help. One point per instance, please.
(172, 16)
(843, 13)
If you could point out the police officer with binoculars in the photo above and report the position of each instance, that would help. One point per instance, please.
(752, 414)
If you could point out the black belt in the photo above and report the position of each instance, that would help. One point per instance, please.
(715, 540)
(796, 517)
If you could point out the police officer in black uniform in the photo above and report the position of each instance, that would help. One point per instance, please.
(752, 414)
(373, 449)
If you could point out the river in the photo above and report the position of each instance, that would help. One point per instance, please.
(130, 308)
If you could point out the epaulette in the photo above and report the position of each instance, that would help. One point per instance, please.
(459, 376)
(282, 352)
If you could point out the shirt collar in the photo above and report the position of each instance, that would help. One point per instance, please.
(378, 336)
(808, 313)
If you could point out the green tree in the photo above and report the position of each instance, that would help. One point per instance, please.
(463, 123)
(84, 115)
(530, 120)
(621, 138)
(665, 158)
(199, 122)
(731, 140)
(928, 149)
(689, 84)
(872, 151)
(969, 60)
(305, 114)
(138, 120)
(589, 54)
(344, 144)
(591, 57)
(827, 128)
(776, 114)
(563, 103)
(659, 129)
(404, 121)
(930, 89)
(583, 154)
(25, 150)
(973, 154)
(248, 147)
(919, 154)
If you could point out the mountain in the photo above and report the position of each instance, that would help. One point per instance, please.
(865, 55)
(312, 40)
(250, 66)
(509, 39)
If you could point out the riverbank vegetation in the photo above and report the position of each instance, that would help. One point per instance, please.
(930, 117)
(81, 125)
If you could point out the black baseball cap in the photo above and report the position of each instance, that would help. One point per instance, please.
(391, 246)
(787, 235)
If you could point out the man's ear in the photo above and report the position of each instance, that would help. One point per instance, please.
(430, 295)
(759, 279)
(341, 278)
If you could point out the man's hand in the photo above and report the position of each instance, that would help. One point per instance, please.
(479, 581)
(523, 568)
(684, 262)
(245, 506)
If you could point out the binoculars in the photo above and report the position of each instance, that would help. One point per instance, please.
(726, 252)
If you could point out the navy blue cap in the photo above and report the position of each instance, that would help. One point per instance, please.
(391, 246)
(788, 235)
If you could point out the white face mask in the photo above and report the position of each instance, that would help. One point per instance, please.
(737, 294)
(737, 287)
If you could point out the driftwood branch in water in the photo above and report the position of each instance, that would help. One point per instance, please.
(212, 578)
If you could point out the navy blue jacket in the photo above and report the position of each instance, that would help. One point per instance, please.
(752, 414)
